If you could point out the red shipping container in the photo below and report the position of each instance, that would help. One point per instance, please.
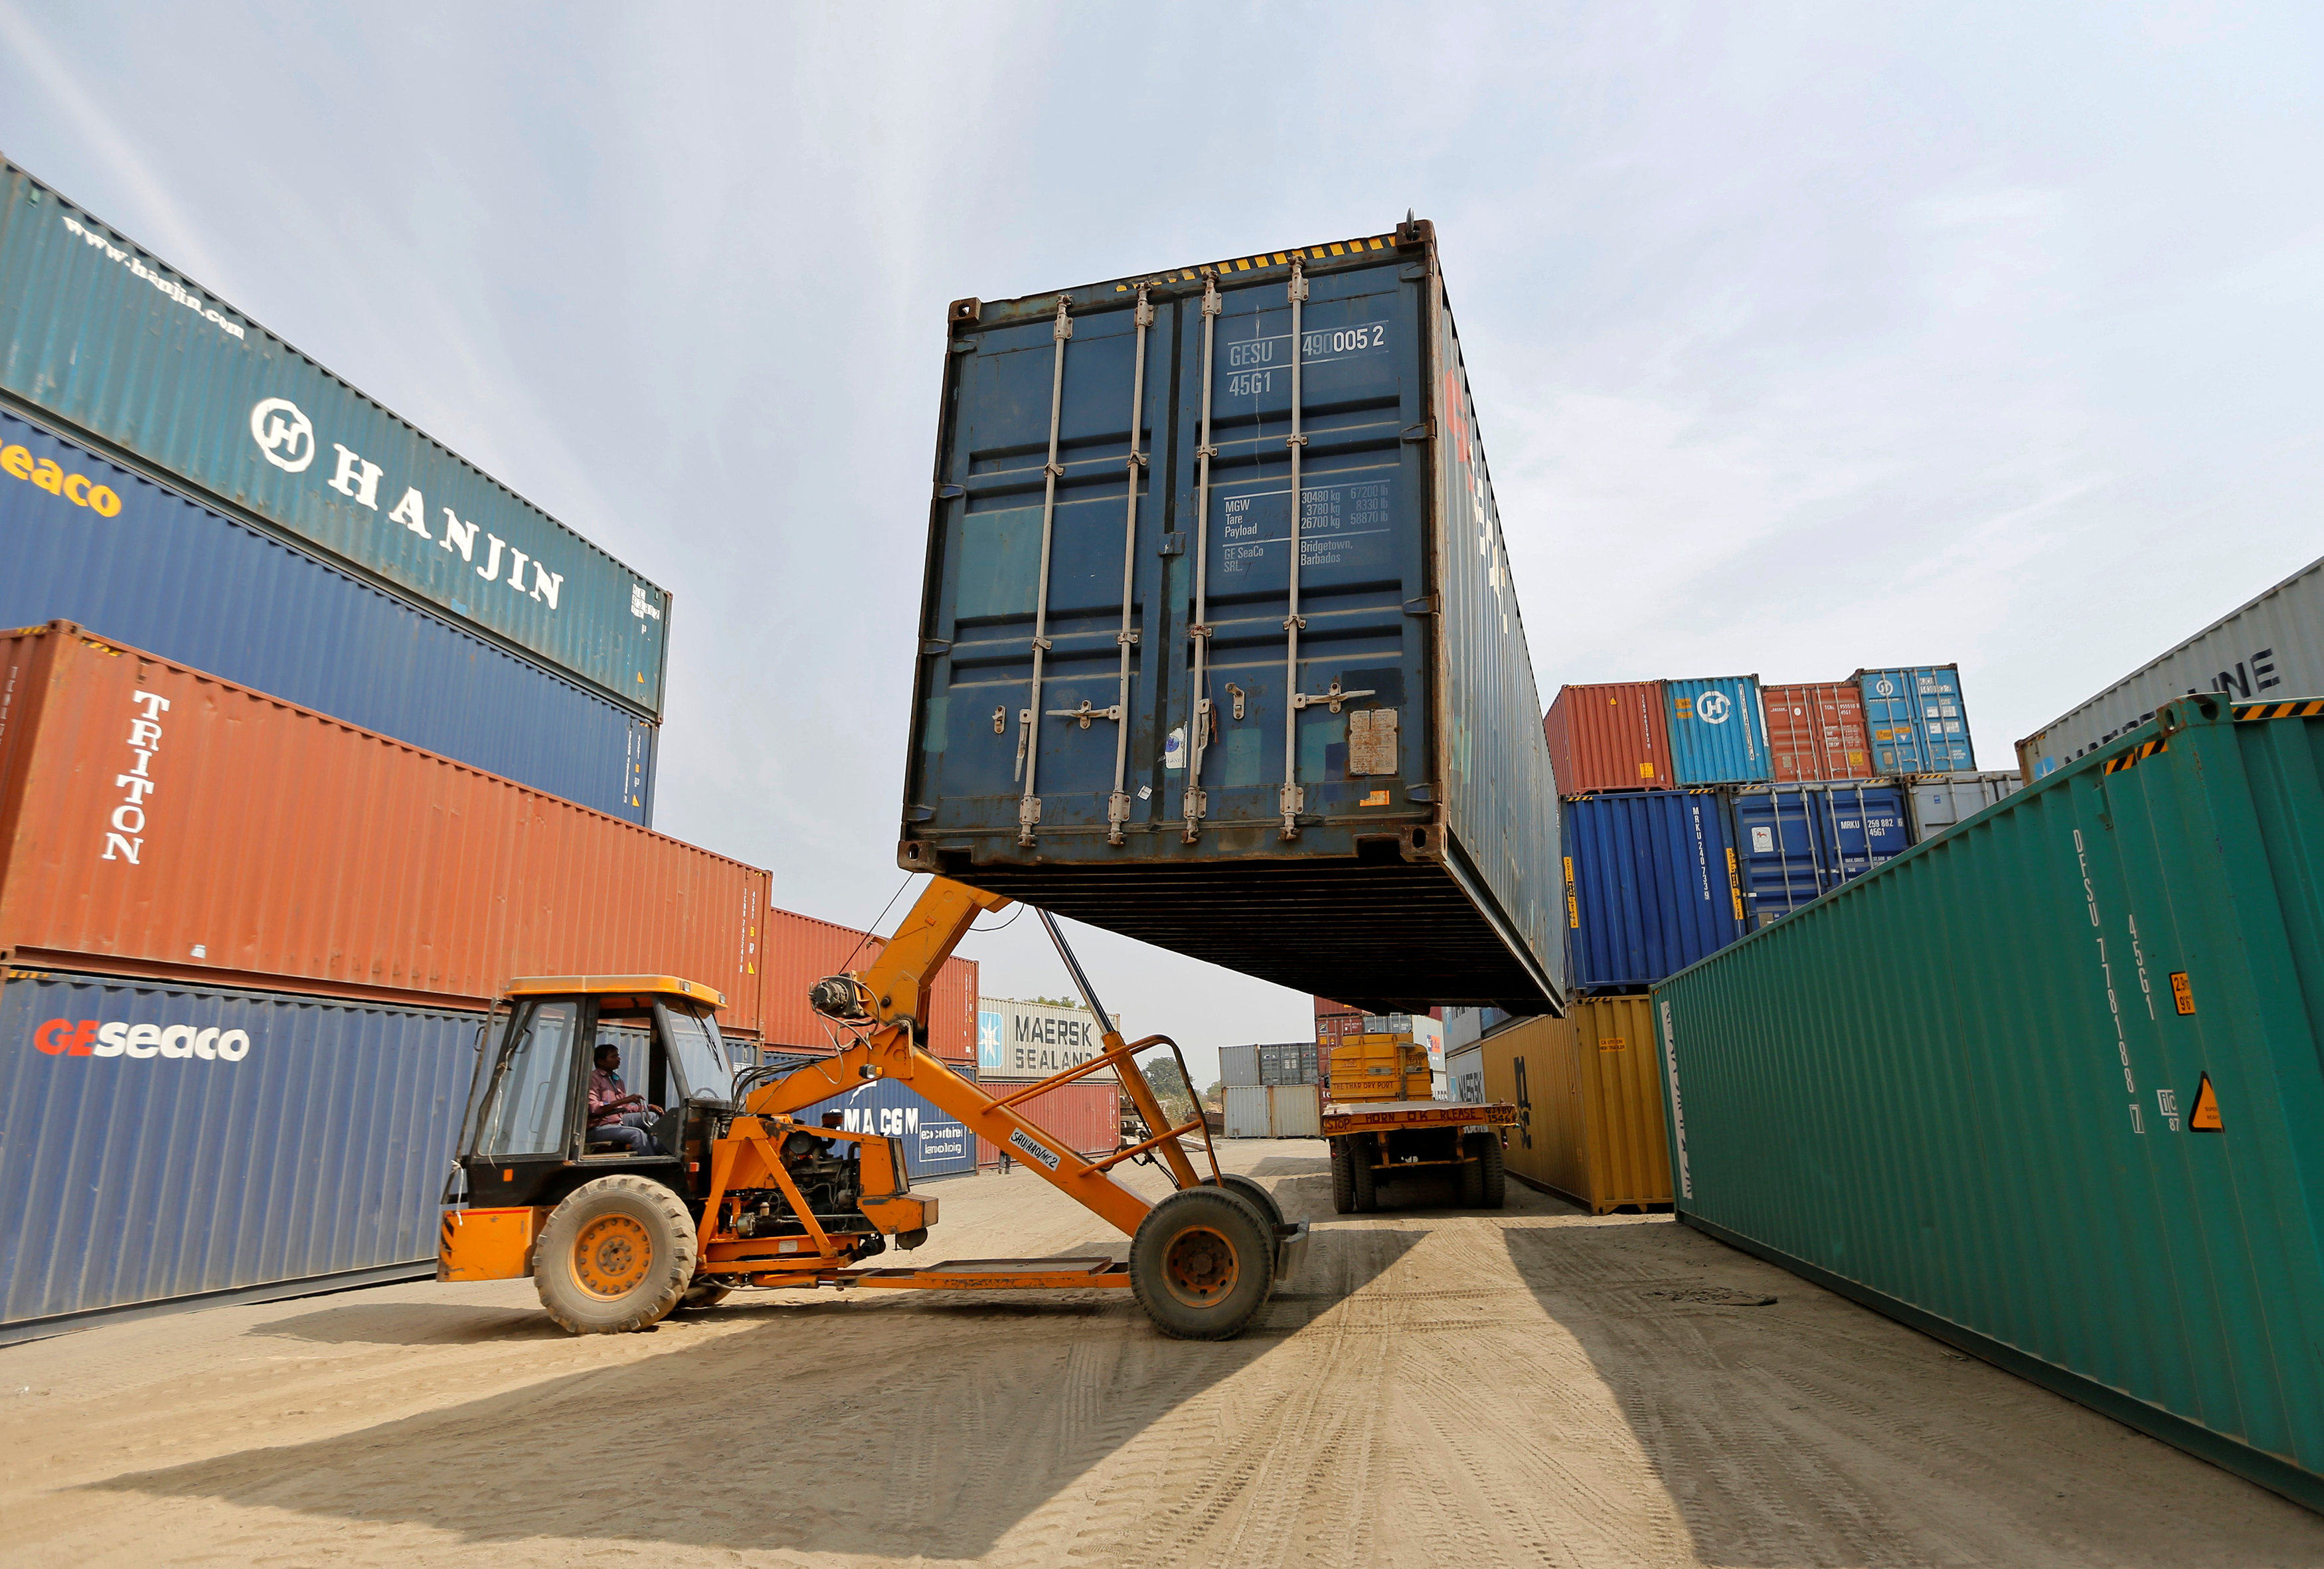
(1612, 736)
(1086, 1116)
(1816, 730)
(800, 950)
(158, 821)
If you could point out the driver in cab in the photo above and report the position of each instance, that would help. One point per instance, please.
(617, 1117)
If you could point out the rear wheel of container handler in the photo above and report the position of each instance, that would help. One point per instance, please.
(1471, 1174)
(1255, 1191)
(1364, 1179)
(1343, 1177)
(1202, 1263)
(615, 1256)
(1496, 1175)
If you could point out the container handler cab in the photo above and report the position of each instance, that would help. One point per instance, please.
(742, 1192)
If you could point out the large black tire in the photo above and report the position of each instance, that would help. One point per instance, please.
(1471, 1171)
(1343, 1178)
(615, 1256)
(1202, 1263)
(1251, 1188)
(1497, 1177)
(1365, 1179)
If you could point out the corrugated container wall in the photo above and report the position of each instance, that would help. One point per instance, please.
(1085, 1115)
(1917, 720)
(159, 1143)
(133, 559)
(1021, 1040)
(1614, 736)
(1366, 764)
(1464, 1075)
(1652, 885)
(1800, 842)
(1717, 733)
(1934, 805)
(1247, 1110)
(1588, 1089)
(2268, 650)
(1816, 730)
(1238, 1066)
(1296, 1111)
(799, 950)
(159, 821)
(2049, 1087)
(95, 331)
(935, 1142)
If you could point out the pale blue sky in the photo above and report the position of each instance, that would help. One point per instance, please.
(1804, 338)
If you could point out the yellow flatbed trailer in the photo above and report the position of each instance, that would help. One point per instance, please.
(1376, 1142)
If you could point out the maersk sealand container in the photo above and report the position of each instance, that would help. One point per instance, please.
(2049, 1086)
(95, 331)
(1219, 647)
(85, 540)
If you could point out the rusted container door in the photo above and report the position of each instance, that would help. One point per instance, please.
(160, 821)
(1816, 730)
(1614, 736)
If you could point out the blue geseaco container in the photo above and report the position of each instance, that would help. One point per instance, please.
(136, 561)
(1916, 720)
(1219, 647)
(1799, 841)
(165, 1145)
(1651, 886)
(935, 1142)
(1717, 732)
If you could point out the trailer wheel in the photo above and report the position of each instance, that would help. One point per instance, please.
(1364, 1178)
(1202, 1263)
(615, 1256)
(1254, 1190)
(1343, 1178)
(1496, 1174)
(1471, 1171)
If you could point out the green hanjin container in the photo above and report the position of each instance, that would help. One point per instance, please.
(2048, 1086)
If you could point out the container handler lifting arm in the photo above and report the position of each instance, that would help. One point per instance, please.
(769, 1206)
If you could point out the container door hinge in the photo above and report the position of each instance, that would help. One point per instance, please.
(1194, 805)
(931, 647)
(1029, 817)
(920, 814)
(1426, 604)
(1116, 813)
(1173, 545)
(1423, 431)
(1290, 800)
(946, 493)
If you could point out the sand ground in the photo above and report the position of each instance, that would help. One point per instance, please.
(1533, 1387)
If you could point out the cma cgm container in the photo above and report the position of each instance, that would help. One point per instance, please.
(97, 331)
(158, 821)
(1717, 733)
(935, 1142)
(1815, 731)
(799, 950)
(163, 1144)
(1219, 647)
(87, 540)
(1612, 736)
(1651, 885)
(2270, 649)
(1931, 806)
(1799, 842)
(1587, 1089)
(1916, 720)
(2078, 1136)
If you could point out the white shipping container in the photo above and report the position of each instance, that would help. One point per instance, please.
(1239, 1066)
(1932, 806)
(1296, 1111)
(1464, 1074)
(1032, 1040)
(2270, 649)
(1250, 1111)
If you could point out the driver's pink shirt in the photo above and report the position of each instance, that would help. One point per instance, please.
(605, 1089)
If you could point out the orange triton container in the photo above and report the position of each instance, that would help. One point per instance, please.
(1815, 731)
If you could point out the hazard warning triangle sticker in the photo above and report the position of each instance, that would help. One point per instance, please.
(2205, 1118)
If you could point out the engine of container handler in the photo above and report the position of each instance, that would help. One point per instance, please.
(837, 1178)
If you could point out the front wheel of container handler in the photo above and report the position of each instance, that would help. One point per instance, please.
(1343, 1178)
(1202, 1263)
(615, 1256)
(1496, 1172)
(1254, 1190)
(1363, 1176)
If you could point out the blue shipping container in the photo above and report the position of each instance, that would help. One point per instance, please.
(1650, 886)
(1801, 841)
(935, 1142)
(162, 1144)
(1916, 720)
(1219, 646)
(1718, 734)
(151, 569)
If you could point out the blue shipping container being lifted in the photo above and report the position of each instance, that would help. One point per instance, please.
(170, 1145)
(134, 561)
(1651, 886)
(1718, 735)
(1219, 646)
(1799, 842)
(97, 332)
(1915, 719)
(935, 1142)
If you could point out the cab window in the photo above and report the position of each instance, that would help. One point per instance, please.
(525, 1111)
(701, 1055)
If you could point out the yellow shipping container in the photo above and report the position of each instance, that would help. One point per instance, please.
(1379, 1068)
(1590, 1102)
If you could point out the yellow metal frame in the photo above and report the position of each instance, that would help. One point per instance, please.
(601, 986)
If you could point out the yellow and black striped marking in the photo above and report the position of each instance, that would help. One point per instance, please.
(2298, 708)
(1265, 259)
(2135, 755)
